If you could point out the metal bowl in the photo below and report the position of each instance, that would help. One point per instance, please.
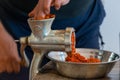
(85, 70)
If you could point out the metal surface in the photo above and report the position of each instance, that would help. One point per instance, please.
(42, 40)
(40, 28)
(85, 70)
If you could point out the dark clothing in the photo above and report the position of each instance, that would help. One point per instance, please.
(85, 16)
(86, 25)
(74, 8)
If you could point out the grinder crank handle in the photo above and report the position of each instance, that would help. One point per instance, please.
(25, 60)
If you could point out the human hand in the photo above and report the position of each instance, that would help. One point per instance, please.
(43, 7)
(9, 58)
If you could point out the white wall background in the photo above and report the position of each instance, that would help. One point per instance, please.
(111, 25)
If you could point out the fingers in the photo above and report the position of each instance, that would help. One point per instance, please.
(31, 14)
(43, 8)
(10, 66)
(2, 69)
(46, 6)
(10, 60)
(34, 11)
(39, 16)
(13, 65)
(64, 2)
(36, 15)
(52, 3)
(58, 4)
(15, 60)
(16, 67)
(15, 55)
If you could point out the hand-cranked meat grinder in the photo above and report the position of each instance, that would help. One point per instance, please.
(42, 40)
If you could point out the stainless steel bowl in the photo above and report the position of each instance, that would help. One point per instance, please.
(85, 70)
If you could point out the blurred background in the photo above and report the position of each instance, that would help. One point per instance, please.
(110, 28)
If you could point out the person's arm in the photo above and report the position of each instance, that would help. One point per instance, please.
(43, 7)
(9, 58)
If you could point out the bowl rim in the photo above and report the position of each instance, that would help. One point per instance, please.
(55, 60)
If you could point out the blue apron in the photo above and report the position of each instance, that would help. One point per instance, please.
(86, 29)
